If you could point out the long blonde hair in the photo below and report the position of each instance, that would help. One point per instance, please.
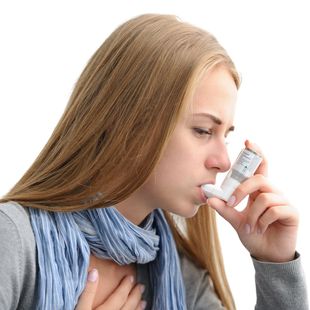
(119, 118)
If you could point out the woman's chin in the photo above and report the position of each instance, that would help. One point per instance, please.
(189, 211)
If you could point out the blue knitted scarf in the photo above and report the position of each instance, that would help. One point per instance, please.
(65, 240)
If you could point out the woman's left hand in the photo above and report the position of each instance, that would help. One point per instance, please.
(268, 225)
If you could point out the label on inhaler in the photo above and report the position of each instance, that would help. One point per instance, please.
(244, 167)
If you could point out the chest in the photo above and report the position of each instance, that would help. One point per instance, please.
(110, 275)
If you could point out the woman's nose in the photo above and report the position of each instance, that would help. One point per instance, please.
(218, 159)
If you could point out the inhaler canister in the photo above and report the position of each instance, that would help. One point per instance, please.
(244, 167)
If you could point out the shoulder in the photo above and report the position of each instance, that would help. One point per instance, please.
(15, 222)
(16, 234)
(18, 255)
(200, 293)
(13, 213)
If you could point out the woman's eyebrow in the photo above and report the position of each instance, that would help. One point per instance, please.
(214, 118)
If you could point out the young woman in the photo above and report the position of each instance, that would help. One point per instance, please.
(145, 127)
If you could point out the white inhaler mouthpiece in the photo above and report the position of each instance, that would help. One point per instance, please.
(244, 167)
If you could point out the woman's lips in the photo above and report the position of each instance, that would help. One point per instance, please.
(203, 197)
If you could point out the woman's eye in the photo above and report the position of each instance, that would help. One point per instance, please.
(203, 132)
(228, 139)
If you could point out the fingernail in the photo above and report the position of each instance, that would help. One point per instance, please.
(92, 275)
(247, 229)
(143, 304)
(131, 279)
(231, 201)
(259, 231)
(142, 288)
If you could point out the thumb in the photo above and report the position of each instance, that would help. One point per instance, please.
(230, 214)
(87, 297)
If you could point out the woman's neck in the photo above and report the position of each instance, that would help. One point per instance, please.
(134, 208)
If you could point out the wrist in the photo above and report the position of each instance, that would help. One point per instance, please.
(276, 258)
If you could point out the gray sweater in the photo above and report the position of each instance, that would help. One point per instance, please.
(278, 286)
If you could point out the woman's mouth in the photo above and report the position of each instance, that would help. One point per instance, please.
(203, 197)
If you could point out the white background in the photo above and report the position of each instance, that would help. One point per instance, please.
(46, 44)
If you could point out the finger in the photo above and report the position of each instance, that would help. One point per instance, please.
(119, 296)
(260, 205)
(255, 184)
(263, 167)
(86, 299)
(142, 305)
(286, 215)
(231, 215)
(134, 298)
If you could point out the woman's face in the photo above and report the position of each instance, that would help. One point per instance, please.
(196, 151)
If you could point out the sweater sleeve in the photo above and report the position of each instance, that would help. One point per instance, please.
(17, 267)
(280, 285)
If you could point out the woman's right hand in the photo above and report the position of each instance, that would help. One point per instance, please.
(126, 296)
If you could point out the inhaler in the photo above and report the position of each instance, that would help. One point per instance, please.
(244, 167)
